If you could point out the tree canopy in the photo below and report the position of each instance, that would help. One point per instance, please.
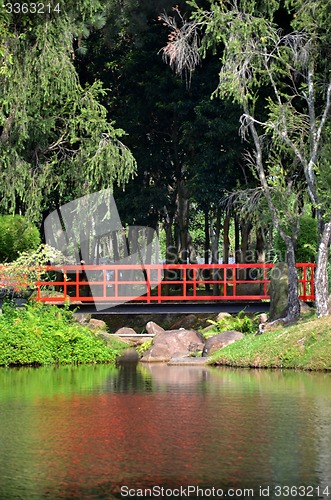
(55, 136)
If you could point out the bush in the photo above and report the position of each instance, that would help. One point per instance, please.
(240, 323)
(306, 247)
(42, 335)
(16, 235)
(144, 347)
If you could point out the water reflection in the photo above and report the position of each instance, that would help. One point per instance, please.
(83, 432)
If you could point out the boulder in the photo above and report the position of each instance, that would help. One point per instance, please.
(221, 340)
(83, 319)
(97, 324)
(263, 318)
(174, 343)
(153, 328)
(304, 308)
(108, 338)
(208, 329)
(185, 322)
(278, 291)
(125, 331)
(222, 315)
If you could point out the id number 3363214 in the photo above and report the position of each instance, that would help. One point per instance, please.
(32, 8)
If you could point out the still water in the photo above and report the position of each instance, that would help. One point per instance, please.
(97, 432)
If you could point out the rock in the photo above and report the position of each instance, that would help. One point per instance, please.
(222, 315)
(250, 288)
(184, 322)
(174, 343)
(208, 328)
(221, 340)
(105, 337)
(83, 319)
(277, 324)
(188, 361)
(125, 331)
(97, 324)
(278, 291)
(263, 318)
(304, 308)
(153, 328)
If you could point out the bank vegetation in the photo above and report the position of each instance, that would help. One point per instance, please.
(39, 335)
(305, 345)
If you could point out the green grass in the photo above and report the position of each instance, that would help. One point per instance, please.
(47, 335)
(306, 345)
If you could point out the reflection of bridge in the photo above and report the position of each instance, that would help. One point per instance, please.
(135, 289)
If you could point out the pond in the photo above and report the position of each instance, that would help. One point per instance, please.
(157, 431)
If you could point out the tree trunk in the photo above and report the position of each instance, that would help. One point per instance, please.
(191, 250)
(260, 253)
(321, 276)
(182, 220)
(246, 228)
(207, 237)
(237, 240)
(169, 237)
(226, 240)
(116, 255)
(214, 248)
(293, 312)
(207, 248)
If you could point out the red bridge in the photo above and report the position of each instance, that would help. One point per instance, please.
(167, 288)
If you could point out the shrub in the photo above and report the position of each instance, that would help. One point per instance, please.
(241, 323)
(16, 235)
(19, 276)
(144, 347)
(42, 335)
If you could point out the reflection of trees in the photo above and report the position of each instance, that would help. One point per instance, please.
(179, 378)
(47, 382)
(323, 440)
(158, 424)
(130, 377)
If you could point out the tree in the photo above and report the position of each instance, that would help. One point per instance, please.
(257, 54)
(56, 142)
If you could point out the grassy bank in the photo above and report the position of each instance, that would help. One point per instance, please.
(306, 345)
(46, 335)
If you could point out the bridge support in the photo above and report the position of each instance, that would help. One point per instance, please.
(173, 308)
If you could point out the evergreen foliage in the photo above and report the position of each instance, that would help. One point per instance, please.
(55, 136)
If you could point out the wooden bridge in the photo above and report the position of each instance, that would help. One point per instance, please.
(136, 289)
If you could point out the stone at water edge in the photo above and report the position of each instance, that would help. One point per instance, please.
(153, 328)
(174, 343)
(223, 315)
(97, 324)
(83, 318)
(125, 331)
(221, 340)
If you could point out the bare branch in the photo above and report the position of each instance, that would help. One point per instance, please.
(182, 49)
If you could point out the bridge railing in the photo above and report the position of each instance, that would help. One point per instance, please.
(165, 283)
